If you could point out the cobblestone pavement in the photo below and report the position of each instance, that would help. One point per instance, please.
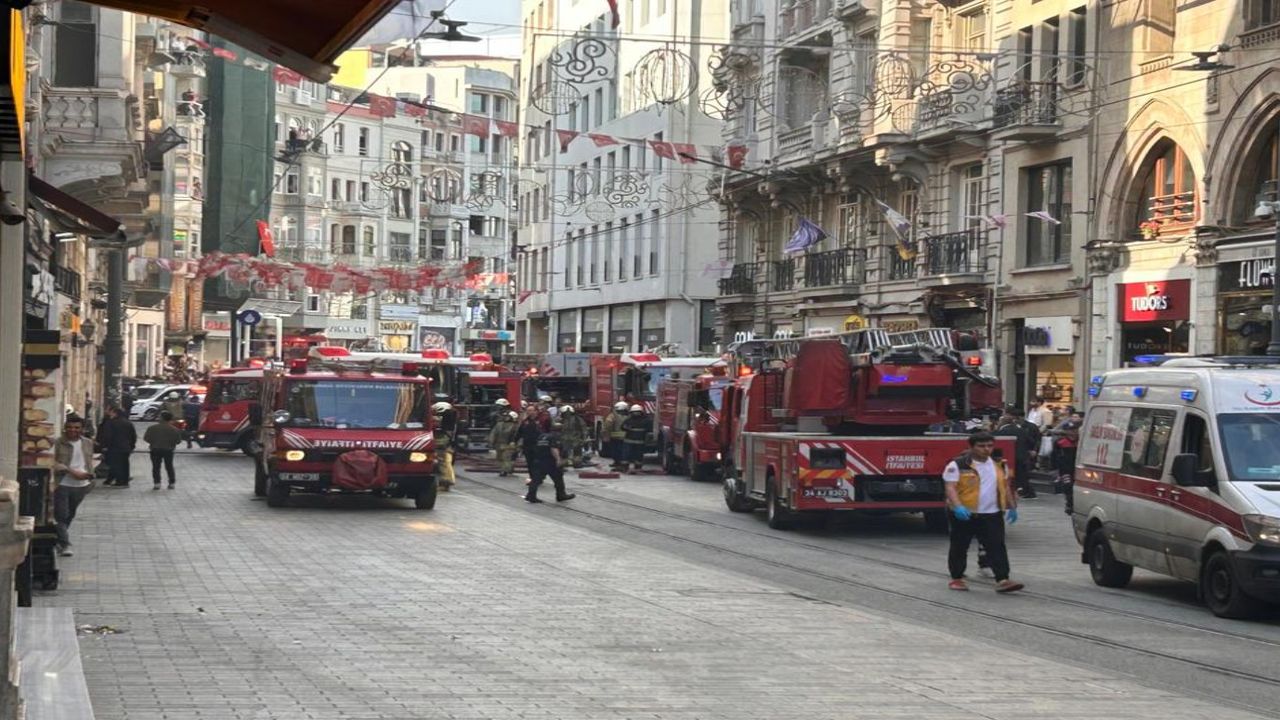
(488, 608)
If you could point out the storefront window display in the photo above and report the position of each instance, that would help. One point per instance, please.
(1244, 292)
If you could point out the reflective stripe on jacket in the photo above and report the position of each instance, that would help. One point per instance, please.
(968, 488)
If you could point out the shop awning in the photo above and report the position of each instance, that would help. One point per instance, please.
(305, 35)
(70, 214)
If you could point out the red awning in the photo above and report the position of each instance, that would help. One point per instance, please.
(305, 35)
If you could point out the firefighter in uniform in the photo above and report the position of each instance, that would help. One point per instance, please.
(573, 432)
(502, 438)
(446, 429)
(635, 432)
(614, 435)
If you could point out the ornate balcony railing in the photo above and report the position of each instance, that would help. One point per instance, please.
(897, 267)
(833, 268)
(741, 280)
(956, 253)
(783, 275)
(1027, 103)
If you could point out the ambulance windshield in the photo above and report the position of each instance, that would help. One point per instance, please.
(1251, 445)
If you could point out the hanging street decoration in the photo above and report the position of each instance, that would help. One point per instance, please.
(241, 270)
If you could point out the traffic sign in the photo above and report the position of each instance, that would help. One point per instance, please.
(250, 317)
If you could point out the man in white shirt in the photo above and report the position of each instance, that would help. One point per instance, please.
(978, 495)
(73, 473)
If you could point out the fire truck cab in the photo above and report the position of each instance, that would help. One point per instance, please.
(338, 425)
(224, 414)
(689, 406)
(634, 378)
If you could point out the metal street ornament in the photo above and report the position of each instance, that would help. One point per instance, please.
(666, 76)
(582, 61)
(556, 97)
(626, 189)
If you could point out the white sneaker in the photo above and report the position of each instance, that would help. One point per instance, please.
(986, 572)
(65, 552)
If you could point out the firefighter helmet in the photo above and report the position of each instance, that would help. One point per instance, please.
(441, 407)
(513, 416)
(637, 409)
(544, 398)
(566, 409)
(502, 402)
(620, 406)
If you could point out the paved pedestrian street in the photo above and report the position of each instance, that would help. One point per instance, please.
(627, 603)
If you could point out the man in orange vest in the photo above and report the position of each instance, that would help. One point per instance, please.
(979, 495)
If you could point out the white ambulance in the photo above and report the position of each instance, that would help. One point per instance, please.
(1178, 472)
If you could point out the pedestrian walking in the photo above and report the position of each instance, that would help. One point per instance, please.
(162, 438)
(980, 498)
(116, 440)
(73, 475)
(1065, 444)
(502, 438)
(635, 430)
(614, 436)
(445, 433)
(546, 462)
(528, 433)
(573, 432)
(191, 418)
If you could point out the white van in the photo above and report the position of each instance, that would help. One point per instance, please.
(1178, 472)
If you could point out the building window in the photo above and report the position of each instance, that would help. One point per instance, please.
(401, 152)
(75, 47)
(315, 185)
(1049, 61)
(1079, 43)
(972, 203)
(479, 103)
(1261, 179)
(348, 239)
(400, 252)
(1048, 191)
(439, 244)
(370, 242)
(973, 30)
(653, 242)
(313, 303)
(335, 189)
(1260, 13)
(364, 192)
(291, 183)
(339, 138)
(1167, 198)
(362, 146)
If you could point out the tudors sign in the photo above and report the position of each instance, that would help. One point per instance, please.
(1155, 301)
(1252, 274)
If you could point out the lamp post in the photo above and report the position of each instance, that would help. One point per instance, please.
(1268, 209)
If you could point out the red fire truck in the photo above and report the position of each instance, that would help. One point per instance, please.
(224, 414)
(686, 422)
(633, 378)
(840, 423)
(338, 425)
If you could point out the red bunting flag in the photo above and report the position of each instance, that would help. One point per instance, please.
(266, 242)
(223, 53)
(687, 153)
(285, 76)
(602, 140)
(382, 106)
(199, 43)
(613, 10)
(508, 129)
(663, 149)
(524, 295)
(413, 109)
(737, 156)
(475, 125)
(566, 137)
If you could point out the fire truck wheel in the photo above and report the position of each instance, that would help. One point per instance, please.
(936, 521)
(779, 518)
(249, 445)
(259, 478)
(426, 497)
(735, 500)
(277, 494)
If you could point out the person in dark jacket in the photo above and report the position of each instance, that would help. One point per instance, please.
(163, 438)
(1026, 441)
(528, 433)
(545, 462)
(636, 429)
(191, 416)
(116, 439)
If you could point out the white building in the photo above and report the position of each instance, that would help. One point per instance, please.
(615, 238)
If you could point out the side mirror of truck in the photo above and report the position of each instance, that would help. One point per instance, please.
(1185, 466)
(255, 414)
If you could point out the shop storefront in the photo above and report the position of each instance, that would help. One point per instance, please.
(397, 335)
(622, 334)
(495, 342)
(1244, 299)
(435, 337)
(1048, 344)
(1154, 318)
(653, 322)
(217, 339)
(347, 333)
(567, 331)
(592, 331)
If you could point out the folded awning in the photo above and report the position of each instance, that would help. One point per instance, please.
(305, 35)
(71, 214)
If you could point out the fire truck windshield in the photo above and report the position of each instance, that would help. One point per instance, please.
(346, 404)
(650, 379)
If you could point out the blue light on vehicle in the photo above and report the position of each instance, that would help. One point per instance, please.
(1094, 391)
(893, 379)
(1149, 359)
(1139, 392)
(1188, 395)
(1096, 379)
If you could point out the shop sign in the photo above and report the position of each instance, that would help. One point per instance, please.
(436, 338)
(345, 329)
(1155, 301)
(216, 324)
(496, 335)
(1253, 274)
(900, 325)
(397, 327)
(398, 312)
(1048, 336)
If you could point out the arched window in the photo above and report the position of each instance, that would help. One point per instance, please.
(1260, 179)
(1167, 191)
(401, 152)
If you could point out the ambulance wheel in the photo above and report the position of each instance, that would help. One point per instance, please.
(1221, 589)
(259, 479)
(935, 521)
(1105, 569)
(277, 494)
(426, 497)
(778, 517)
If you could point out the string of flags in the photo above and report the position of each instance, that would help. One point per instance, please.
(249, 270)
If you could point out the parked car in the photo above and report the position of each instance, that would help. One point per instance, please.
(149, 400)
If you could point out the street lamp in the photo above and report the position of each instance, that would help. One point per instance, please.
(1266, 210)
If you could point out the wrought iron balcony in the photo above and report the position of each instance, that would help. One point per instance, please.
(833, 268)
(741, 280)
(897, 267)
(955, 253)
(783, 275)
(1027, 111)
(67, 282)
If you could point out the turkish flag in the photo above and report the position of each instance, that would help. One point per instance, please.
(509, 129)
(382, 106)
(687, 153)
(224, 53)
(602, 140)
(285, 76)
(663, 149)
(199, 43)
(475, 125)
(266, 242)
(737, 156)
(413, 109)
(613, 10)
(566, 137)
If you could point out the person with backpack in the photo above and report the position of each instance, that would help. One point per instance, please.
(980, 499)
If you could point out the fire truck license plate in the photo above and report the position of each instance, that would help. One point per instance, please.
(300, 477)
(825, 492)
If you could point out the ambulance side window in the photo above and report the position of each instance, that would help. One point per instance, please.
(1197, 439)
(1147, 442)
